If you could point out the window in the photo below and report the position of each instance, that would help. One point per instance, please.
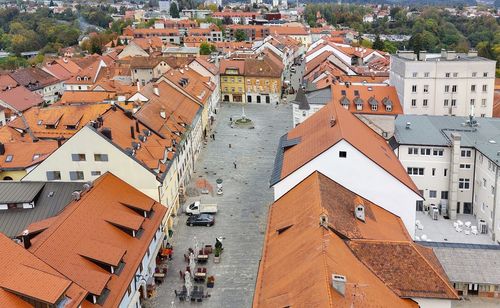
(415, 171)
(374, 107)
(484, 183)
(53, 175)
(413, 151)
(483, 207)
(455, 74)
(485, 74)
(432, 194)
(454, 88)
(415, 74)
(433, 171)
(463, 183)
(472, 101)
(466, 153)
(95, 173)
(414, 88)
(424, 151)
(446, 102)
(438, 152)
(101, 157)
(483, 102)
(425, 102)
(342, 154)
(492, 189)
(447, 74)
(78, 157)
(414, 103)
(426, 74)
(76, 175)
(485, 87)
(464, 166)
(453, 102)
(445, 172)
(473, 88)
(446, 89)
(426, 88)
(9, 158)
(444, 195)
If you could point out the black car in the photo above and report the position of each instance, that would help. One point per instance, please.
(201, 220)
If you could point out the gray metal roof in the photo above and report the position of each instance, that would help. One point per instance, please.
(468, 263)
(436, 131)
(319, 97)
(278, 160)
(19, 192)
(13, 222)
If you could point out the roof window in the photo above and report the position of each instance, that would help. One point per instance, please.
(9, 158)
(36, 156)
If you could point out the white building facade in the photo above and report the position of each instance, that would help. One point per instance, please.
(454, 165)
(444, 84)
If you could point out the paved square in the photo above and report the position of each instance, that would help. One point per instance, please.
(242, 215)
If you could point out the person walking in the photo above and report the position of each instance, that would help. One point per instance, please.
(234, 163)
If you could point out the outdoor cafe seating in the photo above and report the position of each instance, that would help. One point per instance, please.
(200, 275)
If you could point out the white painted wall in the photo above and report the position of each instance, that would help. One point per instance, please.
(88, 142)
(433, 302)
(361, 175)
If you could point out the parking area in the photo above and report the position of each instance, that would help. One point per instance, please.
(243, 158)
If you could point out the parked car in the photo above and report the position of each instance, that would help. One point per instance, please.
(201, 220)
(292, 69)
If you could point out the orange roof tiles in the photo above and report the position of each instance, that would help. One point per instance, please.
(85, 97)
(367, 96)
(317, 135)
(300, 256)
(284, 30)
(24, 274)
(61, 244)
(226, 64)
(25, 154)
(496, 104)
(56, 121)
(7, 82)
(19, 98)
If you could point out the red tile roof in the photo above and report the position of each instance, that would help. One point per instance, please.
(367, 95)
(300, 256)
(25, 154)
(88, 227)
(20, 98)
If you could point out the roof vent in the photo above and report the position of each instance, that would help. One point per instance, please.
(338, 283)
(323, 220)
(408, 125)
(156, 91)
(163, 113)
(87, 186)
(142, 138)
(359, 211)
(76, 195)
(136, 145)
(333, 121)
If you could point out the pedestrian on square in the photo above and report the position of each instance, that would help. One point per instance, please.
(229, 145)
(234, 163)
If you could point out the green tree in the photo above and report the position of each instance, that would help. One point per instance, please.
(240, 35)
(174, 10)
(390, 47)
(206, 48)
(378, 44)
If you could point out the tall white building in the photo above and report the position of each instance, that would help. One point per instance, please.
(454, 161)
(443, 84)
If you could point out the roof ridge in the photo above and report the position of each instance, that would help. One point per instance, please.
(324, 256)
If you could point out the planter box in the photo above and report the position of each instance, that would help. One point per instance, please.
(217, 259)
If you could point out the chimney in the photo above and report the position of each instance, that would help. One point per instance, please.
(163, 113)
(132, 132)
(338, 283)
(156, 91)
(423, 55)
(128, 113)
(76, 195)
(450, 55)
(472, 53)
(59, 142)
(2, 149)
(137, 126)
(25, 237)
(107, 133)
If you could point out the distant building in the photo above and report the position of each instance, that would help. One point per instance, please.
(449, 83)
(165, 5)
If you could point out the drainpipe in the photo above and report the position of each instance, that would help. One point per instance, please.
(454, 167)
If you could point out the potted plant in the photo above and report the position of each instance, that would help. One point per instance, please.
(218, 251)
(210, 281)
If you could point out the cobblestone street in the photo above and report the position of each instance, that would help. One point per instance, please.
(242, 215)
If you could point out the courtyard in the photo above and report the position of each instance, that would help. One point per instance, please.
(243, 158)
